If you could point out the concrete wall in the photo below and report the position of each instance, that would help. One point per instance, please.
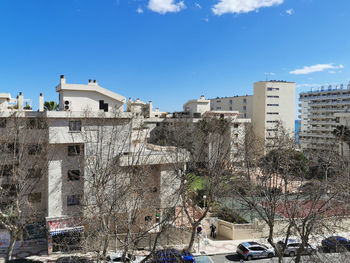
(236, 103)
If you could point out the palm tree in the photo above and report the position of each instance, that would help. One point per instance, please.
(50, 105)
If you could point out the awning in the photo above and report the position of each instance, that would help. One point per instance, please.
(66, 230)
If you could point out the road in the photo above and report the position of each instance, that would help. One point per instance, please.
(318, 258)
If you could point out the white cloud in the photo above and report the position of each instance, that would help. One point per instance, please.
(315, 68)
(290, 11)
(165, 6)
(198, 5)
(139, 10)
(206, 19)
(242, 6)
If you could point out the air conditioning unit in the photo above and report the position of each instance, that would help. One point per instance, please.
(67, 105)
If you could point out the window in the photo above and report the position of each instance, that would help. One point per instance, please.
(73, 175)
(275, 97)
(244, 107)
(269, 130)
(218, 101)
(272, 113)
(230, 101)
(36, 124)
(272, 121)
(211, 108)
(3, 122)
(9, 190)
(244, 100)
(34, 149)
(73, 200)
(269, 88)
(74, 126)
(230, 108)
(235, 125)
(73, 150)
(218, 108)
(103, 106)
(34, 173)
(272, 104)
(34, 197)
(6, 170)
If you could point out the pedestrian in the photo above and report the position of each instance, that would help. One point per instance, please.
(212, 231)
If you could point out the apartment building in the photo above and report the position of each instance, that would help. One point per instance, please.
(273, 103)
(195, 111)
(88, 133)
(242, 104)
(318, 109)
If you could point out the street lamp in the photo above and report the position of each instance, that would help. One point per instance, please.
(204, 198)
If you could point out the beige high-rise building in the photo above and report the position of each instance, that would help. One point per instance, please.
(273, 102)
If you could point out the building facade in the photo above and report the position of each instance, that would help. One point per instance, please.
(274, 104)
(242, 104)
(318, 109)
(89, 135)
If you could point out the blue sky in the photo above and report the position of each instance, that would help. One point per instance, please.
(170, 51)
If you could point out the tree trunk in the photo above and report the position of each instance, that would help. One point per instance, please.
(11, 247)
(193, 235)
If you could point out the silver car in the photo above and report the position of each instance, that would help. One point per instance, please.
(293, 246)
(250, 250)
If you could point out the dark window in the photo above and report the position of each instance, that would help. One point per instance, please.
(9, 190)
(73, 200)
(103, 106)
(36, 124)
(34, 149)
(271, 96)
(235, 125)
(244, 107)
(3, 122)
(273, 89)
(73, 175)
(6, 170)
(34, 197)
(244, 100)
(73, 150)
(272, 113)
(272, 121)
(34, 173)
(230, 101)
(74, 125)
(272, 104)
(230, 108)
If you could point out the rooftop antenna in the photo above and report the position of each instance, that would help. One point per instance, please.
(267, 76)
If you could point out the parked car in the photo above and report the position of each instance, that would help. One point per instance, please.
(172, 255)
(335, 244)
(292, 247)
(250, 250)
(117, 257)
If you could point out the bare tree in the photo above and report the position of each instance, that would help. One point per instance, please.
(23, 166)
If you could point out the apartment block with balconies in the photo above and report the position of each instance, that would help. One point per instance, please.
(318, 109)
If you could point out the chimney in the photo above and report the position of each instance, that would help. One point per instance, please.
(20, 101)
(41, 102)
(62, 80)
(90, 80)
(95, 82)
(202, 97)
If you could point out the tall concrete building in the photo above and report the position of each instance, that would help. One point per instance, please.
(273, 102)
(242, 104)
(318, 116)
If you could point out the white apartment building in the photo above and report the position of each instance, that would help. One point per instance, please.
(242, 104)
(196, 108)
(318, 109)
(273, 103)
(89, 124)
